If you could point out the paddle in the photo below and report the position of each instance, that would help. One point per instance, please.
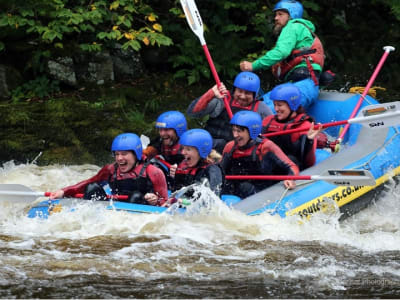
(23, 194)
(387, 49)
(338, 177)
(196, 24)
(371, 116)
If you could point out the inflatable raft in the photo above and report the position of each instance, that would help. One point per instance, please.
(374, 147)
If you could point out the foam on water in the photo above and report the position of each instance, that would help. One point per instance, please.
(374, 229)
(210, 241)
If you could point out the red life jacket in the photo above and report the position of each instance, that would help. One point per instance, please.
(293, 145)
(313, 54)
(185, 175)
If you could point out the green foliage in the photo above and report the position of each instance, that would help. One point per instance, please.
(40, 87)
(93, 25)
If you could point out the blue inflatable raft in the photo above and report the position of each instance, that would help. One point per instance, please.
(375, 147)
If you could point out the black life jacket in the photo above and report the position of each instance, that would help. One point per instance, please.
(220, 128)
(128, 186)
(188, 176)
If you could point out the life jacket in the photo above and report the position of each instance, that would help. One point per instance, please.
(293, 145)
(313, 54)
(171, 153)
(189, 175)
(220, 128)
(243, 162)
(134, 183)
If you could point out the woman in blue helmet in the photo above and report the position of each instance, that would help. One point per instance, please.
(246, 87)
(298, 55)
(171, 125)
(197, 165)
(248, 154)
(128, 175)
(300, 146)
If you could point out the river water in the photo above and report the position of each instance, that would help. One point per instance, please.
(94, 253)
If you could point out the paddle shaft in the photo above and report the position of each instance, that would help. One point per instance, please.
(196, 24)
(369, 84)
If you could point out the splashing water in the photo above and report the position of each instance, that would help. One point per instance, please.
(212, 251)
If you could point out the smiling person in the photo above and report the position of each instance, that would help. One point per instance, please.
(298, 54)
(171, 125)
(248, 154)
(128, 175)
(300, 146)
(245, 91)
(197, 164)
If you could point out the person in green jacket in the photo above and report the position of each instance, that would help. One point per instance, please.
(298, 55)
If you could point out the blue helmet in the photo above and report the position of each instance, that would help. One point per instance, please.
(293, 8)
(198, 138)
(172, 119)
(247, 81)
(287, 92)
(249, 119)
(128, 142)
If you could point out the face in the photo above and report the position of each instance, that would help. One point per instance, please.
(282, 109)
(126, 160)
(241, 135)
(168, 136)
(281, 19)
(243, 97)
(191, 155)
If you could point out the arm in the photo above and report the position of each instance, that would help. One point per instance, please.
(283, 47)
(210, 103)
(264, 110)
(79, 188)
(160, 190)
(272, 154)
(214, 176)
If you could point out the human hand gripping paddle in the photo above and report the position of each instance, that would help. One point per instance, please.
(196, 24)
(371, 116)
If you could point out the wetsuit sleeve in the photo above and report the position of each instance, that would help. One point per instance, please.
(283, 47)
(264, 110)
(159, 182)
(102, 175)
(206, 105)
(270, 151)
(214, 176)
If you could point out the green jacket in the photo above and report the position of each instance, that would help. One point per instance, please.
(293, 36)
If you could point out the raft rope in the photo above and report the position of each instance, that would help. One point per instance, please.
(372, 91)
(273, 210)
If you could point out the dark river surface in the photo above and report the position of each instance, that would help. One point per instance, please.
(94, 253)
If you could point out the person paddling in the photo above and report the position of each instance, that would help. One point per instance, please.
(300, 147)
(129, 175)
(248, 154)
(245, 97)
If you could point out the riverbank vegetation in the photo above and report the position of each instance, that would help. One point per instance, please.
(74, 121)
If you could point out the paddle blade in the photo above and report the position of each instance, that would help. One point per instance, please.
(193, 18)
(17, 193)
(379, 115)
(348, 177)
